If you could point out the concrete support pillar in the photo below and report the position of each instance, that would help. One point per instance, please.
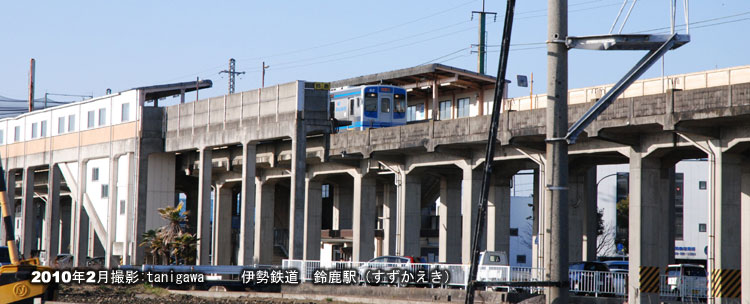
(81, 220)
(28, 236)
(313, 211)
(342, 206)
(390, 196)
(297, 192)
(536, 234)
(590, 216)
(112, 215)
(264, 205)
(576, 203)
(52, 214)
(409, 220)
(222, 227)
(247, 205)
(204, 207)
(498, 215)
(449, 213)
(129, 256)
(363, 218)
(726, 220)
(470, 188)
(648, 229)
(745, 232)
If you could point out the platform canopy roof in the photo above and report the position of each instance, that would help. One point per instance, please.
(422, 78)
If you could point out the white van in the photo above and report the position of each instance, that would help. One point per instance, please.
(493, 267)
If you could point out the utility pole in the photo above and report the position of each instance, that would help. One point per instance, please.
(556, 198)
(482, 47)
(500, 86)
(263, 76)
(32, 67)
(231, 73)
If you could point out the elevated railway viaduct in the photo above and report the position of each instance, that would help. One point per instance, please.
(286, 185)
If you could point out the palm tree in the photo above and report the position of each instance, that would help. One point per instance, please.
(175, 218)
(171, 242)
(183, 248)
(153, 240)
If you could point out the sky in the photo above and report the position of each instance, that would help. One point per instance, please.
(85, 47)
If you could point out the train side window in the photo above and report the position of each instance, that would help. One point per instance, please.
(385, 105)
(351, 106)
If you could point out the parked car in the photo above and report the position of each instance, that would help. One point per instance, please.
(490, 267)
(620, 270)
(590, 278)
(617, 265)
(95, 262)
(63, 260)
(687, 280)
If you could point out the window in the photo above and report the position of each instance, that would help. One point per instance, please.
(445, 109)
(43, 130)
(61, 125)
(105, 191)
(17, 134)
(71, 123)
(122, 207)
(371, 104)
(94, 174)
(90, 122)
(125, 115)
(2, 138)
(399, 103)
(702, 185)
(385, 105)
(513, 231)
(521, 259)
(411, 113)
(463, 107)
(701, 227)
(351, 106)
(325, 193)
(102, 116)
(34, 130)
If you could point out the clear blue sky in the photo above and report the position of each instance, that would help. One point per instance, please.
(85, 47)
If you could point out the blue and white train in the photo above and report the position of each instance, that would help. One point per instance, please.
(369, 106)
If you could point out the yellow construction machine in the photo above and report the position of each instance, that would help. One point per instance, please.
(16, 277)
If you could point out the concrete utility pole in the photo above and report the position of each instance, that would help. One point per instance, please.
(32, 67)
(231, 73)
(263, 76)
(482, 47)
(556, 196)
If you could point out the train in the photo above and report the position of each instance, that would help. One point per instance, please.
(369, 106)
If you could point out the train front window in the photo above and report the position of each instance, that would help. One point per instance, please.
(399, 103)
(371, 102)
(385, 105)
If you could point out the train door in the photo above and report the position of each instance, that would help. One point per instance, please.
(386, 110)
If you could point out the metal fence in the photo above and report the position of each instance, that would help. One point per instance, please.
(683, 288)
(458, 273)
(598, 283)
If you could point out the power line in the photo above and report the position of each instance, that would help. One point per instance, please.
(367, 47)
(446, 55)
(380, 51)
